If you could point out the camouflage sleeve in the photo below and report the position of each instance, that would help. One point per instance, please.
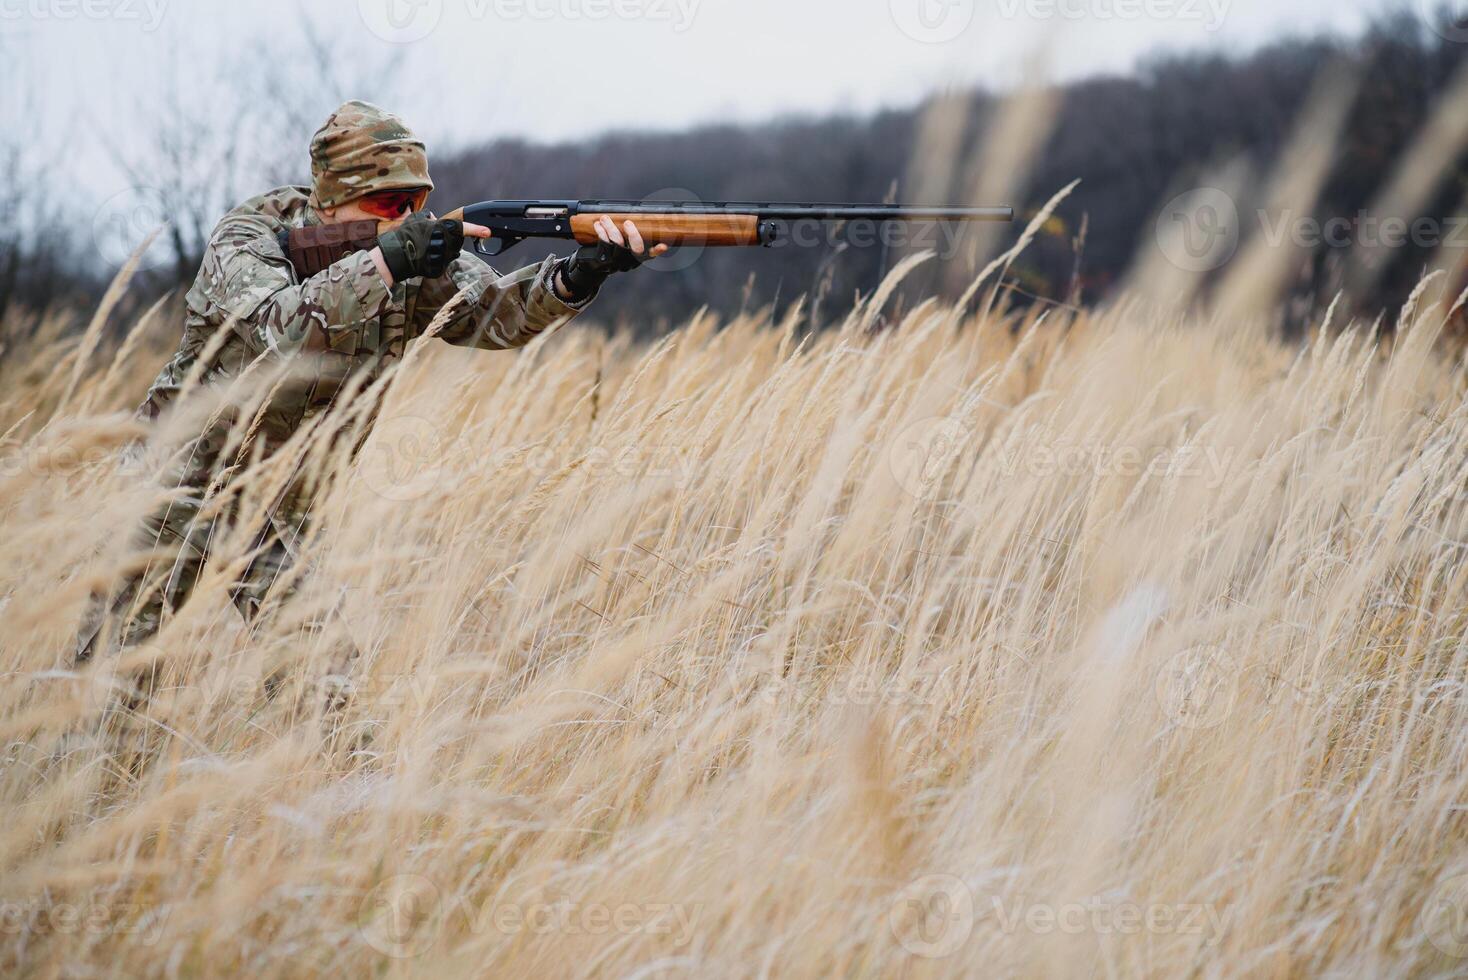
(245, 278)
(496, 312)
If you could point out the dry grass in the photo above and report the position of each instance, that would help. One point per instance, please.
(1124, 644)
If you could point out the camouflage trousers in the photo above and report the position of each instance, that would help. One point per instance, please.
(183, 536)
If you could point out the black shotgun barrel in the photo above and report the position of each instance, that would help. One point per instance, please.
(765, 210)
(793, 211)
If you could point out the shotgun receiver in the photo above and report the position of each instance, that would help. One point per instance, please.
(660, 222)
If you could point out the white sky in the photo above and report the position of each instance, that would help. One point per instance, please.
(551, 69)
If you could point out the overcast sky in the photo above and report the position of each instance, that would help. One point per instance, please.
(549, 69)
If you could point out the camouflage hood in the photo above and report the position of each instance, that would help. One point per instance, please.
(363, 149)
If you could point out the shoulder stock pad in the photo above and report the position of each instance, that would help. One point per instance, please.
(314, 248)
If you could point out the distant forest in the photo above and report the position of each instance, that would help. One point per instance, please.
(1133, 141)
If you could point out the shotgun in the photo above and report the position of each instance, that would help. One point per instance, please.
(728, 223)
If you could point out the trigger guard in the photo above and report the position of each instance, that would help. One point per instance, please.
(491, 246)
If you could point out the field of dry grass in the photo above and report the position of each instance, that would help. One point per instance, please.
(1115, 643)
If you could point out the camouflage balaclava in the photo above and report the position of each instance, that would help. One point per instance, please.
(363, 149)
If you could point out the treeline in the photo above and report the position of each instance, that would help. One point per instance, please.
(1133, 142)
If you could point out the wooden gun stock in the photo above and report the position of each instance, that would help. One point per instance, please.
(677, 229)
(669, 228)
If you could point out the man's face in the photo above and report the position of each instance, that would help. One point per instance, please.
(382, 206)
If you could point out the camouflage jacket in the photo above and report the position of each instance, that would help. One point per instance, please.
(246, 283)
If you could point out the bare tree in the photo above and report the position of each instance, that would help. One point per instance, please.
(302, 88)
(211, 142)
(33, 218)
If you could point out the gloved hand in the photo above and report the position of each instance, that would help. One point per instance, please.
(421, 246)
(585, 271)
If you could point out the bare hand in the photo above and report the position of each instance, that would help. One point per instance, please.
(607, 231)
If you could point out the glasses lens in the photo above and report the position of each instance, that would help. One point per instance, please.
(390, 204)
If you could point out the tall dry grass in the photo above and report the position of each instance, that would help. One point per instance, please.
(1112, 644)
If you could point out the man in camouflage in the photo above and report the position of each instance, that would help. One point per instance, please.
(249, 309)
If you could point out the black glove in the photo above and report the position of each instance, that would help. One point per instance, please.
(421, 246)
(584, 272)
